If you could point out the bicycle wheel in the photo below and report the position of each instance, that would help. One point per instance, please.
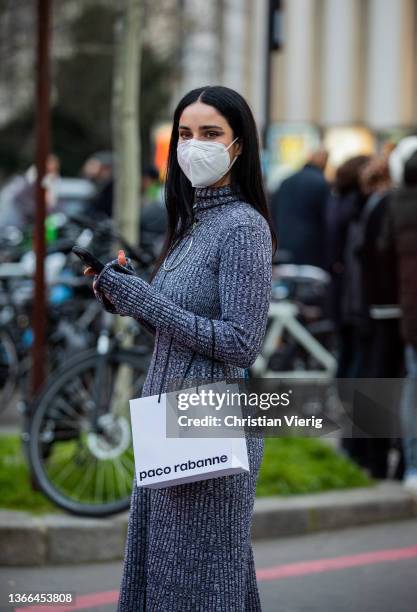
(87, 471)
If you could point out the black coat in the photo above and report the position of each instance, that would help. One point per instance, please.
(298, 211)
(400, 236)
(379, 270)
(341, 210)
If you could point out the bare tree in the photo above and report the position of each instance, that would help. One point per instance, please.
(125, 116)
(126, 148)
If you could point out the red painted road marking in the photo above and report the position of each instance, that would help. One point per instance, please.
(325, 565)
(278, 572)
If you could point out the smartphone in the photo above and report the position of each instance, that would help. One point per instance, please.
(88, 259)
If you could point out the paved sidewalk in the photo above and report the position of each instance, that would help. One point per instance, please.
(56, 539)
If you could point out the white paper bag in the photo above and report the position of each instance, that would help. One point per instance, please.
(162, 461)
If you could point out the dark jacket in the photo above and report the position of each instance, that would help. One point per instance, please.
(400, 234)
(298, 211)
(102, 203)
(342, 210)
(379, 270)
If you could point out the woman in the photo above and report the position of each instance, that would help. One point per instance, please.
(381, 345)
(343, 208)
(343, 211)
(399, 236)
(188, 547)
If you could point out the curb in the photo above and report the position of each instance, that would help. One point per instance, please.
(298, 515)
(57, 539)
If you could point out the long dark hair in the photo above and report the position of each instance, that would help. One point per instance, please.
(246, 172)
(348, 174)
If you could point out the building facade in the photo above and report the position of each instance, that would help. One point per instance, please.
(347, 69)
(345, 72)
(348, 61)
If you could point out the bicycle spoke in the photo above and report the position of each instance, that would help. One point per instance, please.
(130, 465)
(99, 482)
(124, 477)
(113, 491)
(78, 491)
(63, 474)
(66, 408)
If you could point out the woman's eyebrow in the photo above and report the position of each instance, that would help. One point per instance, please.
(202, 127)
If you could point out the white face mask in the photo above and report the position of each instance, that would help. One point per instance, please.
(204, 163)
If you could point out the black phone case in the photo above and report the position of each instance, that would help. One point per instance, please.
(88, 259)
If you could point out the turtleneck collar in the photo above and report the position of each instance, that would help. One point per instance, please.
(208, 197)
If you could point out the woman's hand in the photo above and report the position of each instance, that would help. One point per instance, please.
(121, 259)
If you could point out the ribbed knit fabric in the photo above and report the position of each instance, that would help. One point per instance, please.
(188, 547)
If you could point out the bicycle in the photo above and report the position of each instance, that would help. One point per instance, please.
(78, 437)
(298, 341)
(299, 344)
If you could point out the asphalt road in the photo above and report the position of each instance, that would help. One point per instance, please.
(362, 569)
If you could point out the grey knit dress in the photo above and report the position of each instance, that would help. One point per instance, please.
(188, 547)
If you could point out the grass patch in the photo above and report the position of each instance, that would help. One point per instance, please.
(306, 465)
(290, 466)
(76, 474)
(16, 491)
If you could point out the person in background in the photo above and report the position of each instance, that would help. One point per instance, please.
(298, 212)
(99, 170)
(399, 234)
(153, 216)
(151, 186)
(379, 287)
(18, 197)
(381, 343)
(343, 206)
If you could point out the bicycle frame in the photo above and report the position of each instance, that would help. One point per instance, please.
(284, 317)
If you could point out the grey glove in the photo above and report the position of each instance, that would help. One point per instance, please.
(114, 263)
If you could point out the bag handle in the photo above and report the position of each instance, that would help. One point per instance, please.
(213, 339)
